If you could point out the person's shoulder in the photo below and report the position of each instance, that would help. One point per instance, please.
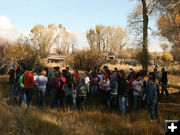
(134, 82)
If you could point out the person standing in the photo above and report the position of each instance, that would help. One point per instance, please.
(53, 87)
(41, 84)
(21, 92)
(137, 92)
(164, 81)
(112, 91)
(87, 82)
(104, 85)
(28, 81)
(123, 86)
(12, 76)
(152, 98)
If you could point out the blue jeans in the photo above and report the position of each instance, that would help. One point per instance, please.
(137, 103)
(94, 89)
(29, 95)
(41, 96)
(16, 89)
(53, 98)
(21, 95)
(88, 95)
(111, 98)
(74, 100)
(153, 108)
(164, 88)
(122, 104)
(11, 90)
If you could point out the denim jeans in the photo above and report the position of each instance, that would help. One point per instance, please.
(103, 96)
(153, 108)
(164, 88)
(21, 95)
(80, 101)
(137, 103)
(11, 90)
(88, 95)
(53, 98)
(29, 95)
(74, 100)
(111, 98)
(122, 104)
(16, 90)
(41, 96)
(94, 89)
(68, 100)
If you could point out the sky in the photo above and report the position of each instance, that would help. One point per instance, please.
(18, 16)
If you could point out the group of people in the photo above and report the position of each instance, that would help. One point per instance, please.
(115, 88)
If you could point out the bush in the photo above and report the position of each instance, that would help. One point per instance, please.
(167, 57)
(85, 59)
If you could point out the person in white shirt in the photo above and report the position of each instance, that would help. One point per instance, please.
(87, 82)
(137, 92)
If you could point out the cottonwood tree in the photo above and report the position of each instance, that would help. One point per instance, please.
(164, 47)
(169, 24)
(44, 38)
(66, 42)
(107, 38)
(138, 21)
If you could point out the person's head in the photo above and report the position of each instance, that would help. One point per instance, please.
(138, 77)
(114, 73)
(162, 70)
(43, 73)
(76, 71)
(86, 74)
(105, 67)
(67, 69)
(124, 75)
(51, 74)
(151, 74)
(155, 70)
(131, 71)
(121, 72)
(30, 68)
(95, 68)
(56, 68)
(64, 72)
(115, 69)
(152, 79)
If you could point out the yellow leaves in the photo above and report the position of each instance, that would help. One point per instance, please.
(167, 57)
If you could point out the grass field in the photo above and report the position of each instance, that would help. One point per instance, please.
(95, 119)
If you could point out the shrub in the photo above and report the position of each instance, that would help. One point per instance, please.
(85, 59)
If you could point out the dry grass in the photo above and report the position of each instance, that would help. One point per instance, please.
(93, 120)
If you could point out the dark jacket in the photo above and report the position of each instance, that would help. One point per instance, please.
(53, 84)
(11, 76)
(164, 77)
(123, 86)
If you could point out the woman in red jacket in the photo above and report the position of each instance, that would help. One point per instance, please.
(28, 81)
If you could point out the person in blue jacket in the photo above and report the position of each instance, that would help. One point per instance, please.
(152, 98)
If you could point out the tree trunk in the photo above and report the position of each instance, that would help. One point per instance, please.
(145, 37)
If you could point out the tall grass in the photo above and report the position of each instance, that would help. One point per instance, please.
(95, 119)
